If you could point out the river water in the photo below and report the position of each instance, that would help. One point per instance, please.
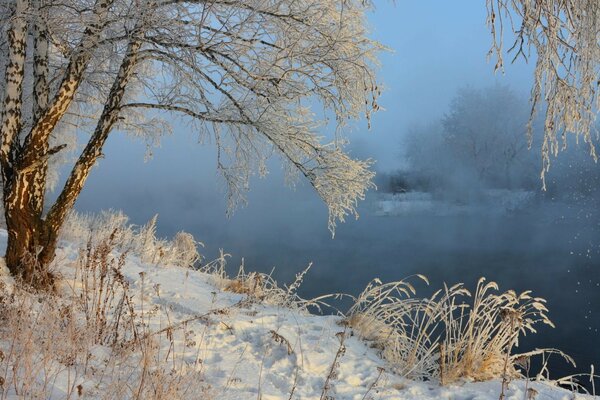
(551, 247)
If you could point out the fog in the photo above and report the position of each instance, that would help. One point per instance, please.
(548, 242)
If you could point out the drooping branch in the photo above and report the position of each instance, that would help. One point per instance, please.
(564, 36)
(247, 69)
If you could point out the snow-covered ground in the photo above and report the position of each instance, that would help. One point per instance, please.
(251, 350)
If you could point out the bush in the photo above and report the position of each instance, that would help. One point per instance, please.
(141, 241)
(444, 337)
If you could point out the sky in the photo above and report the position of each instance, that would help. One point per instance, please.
(436, 47)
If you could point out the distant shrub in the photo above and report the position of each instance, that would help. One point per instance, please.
(401, 181)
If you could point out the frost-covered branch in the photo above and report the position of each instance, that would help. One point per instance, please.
(565, 36)
(244, 73)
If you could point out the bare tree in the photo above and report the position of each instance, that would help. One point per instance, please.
(245, 72)
(480, 142)
(484, 129)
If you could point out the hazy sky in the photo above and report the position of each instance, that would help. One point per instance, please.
(436, 48)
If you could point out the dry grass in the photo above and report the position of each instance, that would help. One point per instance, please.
(403, 328)
(257, 286)
(446, 336)
(98, 330)
(479, 341)
(127, 238)
(93, 328)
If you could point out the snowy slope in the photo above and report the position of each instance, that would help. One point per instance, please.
(247, 350)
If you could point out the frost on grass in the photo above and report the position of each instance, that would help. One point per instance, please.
(259, 288)
(121, 328)
(446, 336)
(182, 250)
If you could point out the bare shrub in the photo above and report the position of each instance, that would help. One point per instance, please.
(335, 366)
(443, 336)
(140, 241)
(104, 298)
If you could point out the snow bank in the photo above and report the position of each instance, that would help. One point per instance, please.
(498, 201)
(248, 350)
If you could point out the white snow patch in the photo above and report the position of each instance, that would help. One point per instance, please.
(242, 356)
(409, 203)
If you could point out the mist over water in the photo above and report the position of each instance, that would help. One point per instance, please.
(548, 243)
(551, 246)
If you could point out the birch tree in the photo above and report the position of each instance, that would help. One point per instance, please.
(257, 77)
(246, 73)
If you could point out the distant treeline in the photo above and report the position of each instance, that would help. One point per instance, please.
(482, 143)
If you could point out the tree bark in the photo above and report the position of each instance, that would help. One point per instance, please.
(31, 238)
(47, 235)
(26, 237)
(112, 107)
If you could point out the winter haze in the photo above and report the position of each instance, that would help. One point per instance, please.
(547, 242)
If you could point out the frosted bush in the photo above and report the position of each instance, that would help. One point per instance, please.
(140, 241)
(444, 336)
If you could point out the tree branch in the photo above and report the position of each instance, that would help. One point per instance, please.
(202, 116)
(93, 149)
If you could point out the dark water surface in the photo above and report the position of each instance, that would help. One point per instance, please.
(557, 257)
(549, 247)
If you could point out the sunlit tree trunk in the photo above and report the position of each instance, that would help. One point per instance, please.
(31, 237)
(66, 200)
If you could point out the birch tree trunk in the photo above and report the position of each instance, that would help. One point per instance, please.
(31, 238)
(242, 72)
(64, 204)
(21, 221)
